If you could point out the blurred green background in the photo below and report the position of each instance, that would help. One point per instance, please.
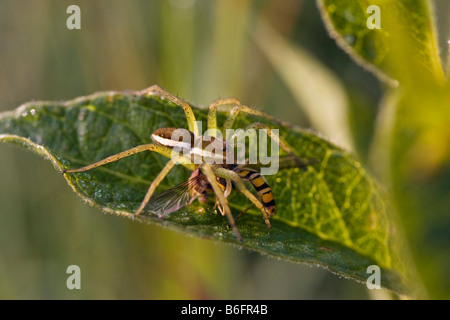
(200, 50)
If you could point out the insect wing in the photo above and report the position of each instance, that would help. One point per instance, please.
(175, 198)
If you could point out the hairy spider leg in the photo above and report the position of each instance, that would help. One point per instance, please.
(268, 130)
(233, 176)
(207, 170)
(190, 117)
(212, 114)
(237, 108)
(161, 175)
(144, 147)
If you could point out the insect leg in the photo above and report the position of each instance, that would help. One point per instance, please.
(153, 186)
(226, 193)
(225, 173)
(150, 147)
(228, 188)
(190, 117)
(209, 173)
(243, 212)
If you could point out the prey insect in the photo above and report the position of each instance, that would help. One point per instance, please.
(198, 187)
(218, 177)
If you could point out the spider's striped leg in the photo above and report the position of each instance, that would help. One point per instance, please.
(209, 173)
(233, 176)
(153, 186)
(190, 117)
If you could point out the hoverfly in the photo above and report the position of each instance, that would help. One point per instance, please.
(207, 177)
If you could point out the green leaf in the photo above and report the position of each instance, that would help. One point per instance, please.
(413, 153)
(331, 214)
(404, 46)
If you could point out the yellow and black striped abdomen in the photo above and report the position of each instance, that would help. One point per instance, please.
(262, 188)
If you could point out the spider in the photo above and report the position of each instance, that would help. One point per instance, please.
(207, 177)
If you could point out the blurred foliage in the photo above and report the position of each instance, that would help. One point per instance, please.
(202, 50)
